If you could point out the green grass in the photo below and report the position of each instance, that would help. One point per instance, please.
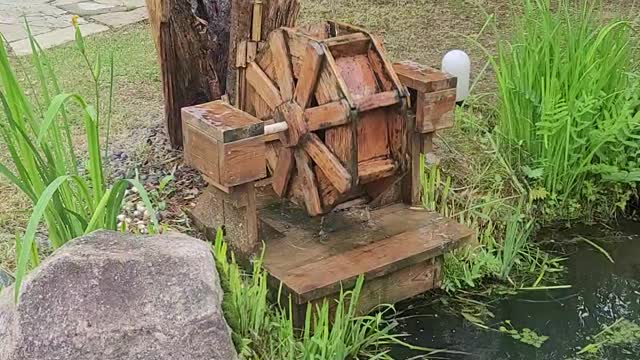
(264, 330)
(568, 117)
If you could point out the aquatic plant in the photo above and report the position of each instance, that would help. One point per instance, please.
(45, 163)
(568, 118)
(620, 333)
(265, 330)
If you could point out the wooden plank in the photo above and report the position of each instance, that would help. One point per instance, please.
(256, 21)
(377, 45)
(384, 81)
(223, 122)
(242, 161)
(201, 152)
(378, 100)
(308, 78)
(373, 137)
(326, 116)
(309, 185)
(325, 276)
(348, 45)
(263, 85)
(283, 171)
(342, 85)
(282, 62)
(423, 78)
(435, 110)
(376, 169)
(328, 162)
(292, 114)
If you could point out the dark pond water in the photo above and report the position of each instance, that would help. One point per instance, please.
(601, 293)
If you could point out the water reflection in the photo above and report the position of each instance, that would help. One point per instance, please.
(601, 293)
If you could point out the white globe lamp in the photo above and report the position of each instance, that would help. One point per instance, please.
(458, 64)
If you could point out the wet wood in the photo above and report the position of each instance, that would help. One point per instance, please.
(223, 122)
(423, 78)
(308, 180)
(328, 162)
(349, 45)
(242, 161)
(283, 171)
(376, 244)
(292, 114)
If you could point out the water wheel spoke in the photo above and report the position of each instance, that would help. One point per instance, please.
(283, 171)
(309, 73)
(282, 62)
(263, 86)
(327, 162)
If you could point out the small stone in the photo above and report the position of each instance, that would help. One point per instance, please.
(127, 220)
(145, 215)
(140, 207)
(136, 214)
(121, 217)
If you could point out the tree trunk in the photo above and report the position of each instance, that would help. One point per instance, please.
(197, 41)
(192, 39)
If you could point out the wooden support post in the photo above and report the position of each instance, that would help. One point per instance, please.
(235, 212)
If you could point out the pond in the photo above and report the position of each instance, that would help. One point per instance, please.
(602, 292)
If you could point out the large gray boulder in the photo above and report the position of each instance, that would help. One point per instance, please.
(114, 296)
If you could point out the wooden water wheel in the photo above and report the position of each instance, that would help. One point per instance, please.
(339, 109)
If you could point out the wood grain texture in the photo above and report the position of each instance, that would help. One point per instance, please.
(222, 122)
(376, 244)
(376, 169)
(282, 62)
(435, 110)
(193, 54)
(309, 72)
(326, 116)
(423, 78)
(328, 162)
(379, 100)
(283, 171)
(242, 162)
(263, 86)
(309, 186)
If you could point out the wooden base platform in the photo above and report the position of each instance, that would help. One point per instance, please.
(398, 248)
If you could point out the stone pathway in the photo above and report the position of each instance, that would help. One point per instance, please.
(50, 20)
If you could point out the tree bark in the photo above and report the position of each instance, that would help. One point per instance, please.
(192, 40)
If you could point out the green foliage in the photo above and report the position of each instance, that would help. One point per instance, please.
(525, 335)
(619, 334)
(568, 117)
(36, 132)
(262, 330)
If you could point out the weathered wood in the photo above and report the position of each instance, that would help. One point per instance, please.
(376, 169)
(328, 162)
(275, 14)
(435, 110)
(222, 122)
(282, 174)
(375, 243)
(349, 45)
(327, 115)
(243, 161)
(376, 101)
(192, 40)
(309, 72)
(309, 185)
(291, 113)
(263, 86)
(423, 78)
(256, 21)
(282, 62)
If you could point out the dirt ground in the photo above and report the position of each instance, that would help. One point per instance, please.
(419, 30)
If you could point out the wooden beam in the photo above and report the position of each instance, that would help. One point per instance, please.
(309, 185)
(325, 116)
(372, 170)
(328, 162)
(263, 85)
(308, 78)
(282, 61)
(349, 45)
(256, 22)
(282, 174)
(377, 101)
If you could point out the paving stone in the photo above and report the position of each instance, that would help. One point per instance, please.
(127, 3)
(88, 8)
(120, 19)
(56, 37)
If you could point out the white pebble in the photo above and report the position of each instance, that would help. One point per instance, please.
(127, 220)
(134, 190)
(140, 207)
(121, 217)
(145, 215)
(136, 213)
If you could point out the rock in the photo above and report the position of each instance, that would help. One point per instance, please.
(5, 278)
(111, 295)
